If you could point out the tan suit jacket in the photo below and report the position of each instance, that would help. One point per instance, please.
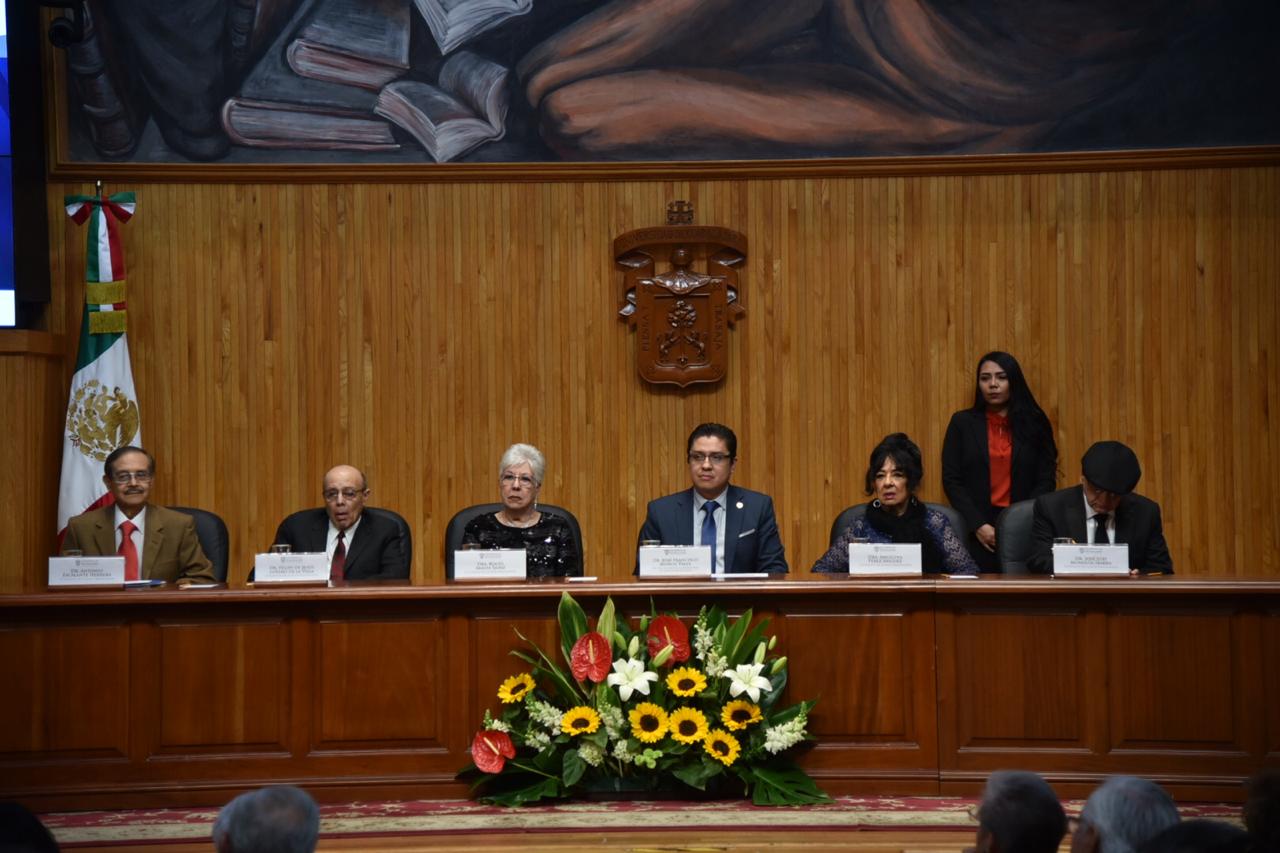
(170, 549)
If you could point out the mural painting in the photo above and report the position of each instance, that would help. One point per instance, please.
(534, 81)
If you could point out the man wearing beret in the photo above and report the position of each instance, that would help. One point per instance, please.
(1102, 510)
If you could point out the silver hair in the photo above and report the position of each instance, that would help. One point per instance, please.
(1127, 812)
(524, 453)
(275, 819)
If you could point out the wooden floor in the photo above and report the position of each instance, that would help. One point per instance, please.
(623, 842)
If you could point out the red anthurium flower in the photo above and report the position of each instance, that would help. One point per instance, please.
(490, 751)
(669, 631)
(590, 658)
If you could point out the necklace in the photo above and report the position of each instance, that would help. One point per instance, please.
(511, 522)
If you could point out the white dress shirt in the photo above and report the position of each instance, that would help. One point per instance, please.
(721, 517)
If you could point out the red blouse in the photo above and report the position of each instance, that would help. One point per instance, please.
(1000, 450)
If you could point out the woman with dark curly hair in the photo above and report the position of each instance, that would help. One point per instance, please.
(895, 515)
(998, 451)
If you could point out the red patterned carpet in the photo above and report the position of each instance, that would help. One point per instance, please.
(410, 817)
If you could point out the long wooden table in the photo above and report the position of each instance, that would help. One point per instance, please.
(172, 697)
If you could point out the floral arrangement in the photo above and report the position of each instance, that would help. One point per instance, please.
(645, 710)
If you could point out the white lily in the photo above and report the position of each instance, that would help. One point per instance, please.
(746, 678)
(630, 676)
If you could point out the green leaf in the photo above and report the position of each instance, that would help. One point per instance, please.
(573, 623)
(539, 790)
(607, 624)
(782, 785)
(573, 768)
(697, 774)
(733, 635)
(567, 686)
(779, 682)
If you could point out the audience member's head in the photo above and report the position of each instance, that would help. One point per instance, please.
(1121, 815)
(22, 832)
(1199, 836)
(1019, 813)
(278, 819)
(1262, 810)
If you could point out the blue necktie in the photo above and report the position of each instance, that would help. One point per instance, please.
(709, 529)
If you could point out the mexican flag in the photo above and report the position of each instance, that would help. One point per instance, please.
(103, 410)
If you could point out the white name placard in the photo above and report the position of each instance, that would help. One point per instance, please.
(495, 564)
(870, 558)
(299, 567)
(1091, 559)
(675, 561)
(86, 571)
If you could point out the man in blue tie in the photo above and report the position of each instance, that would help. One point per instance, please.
(738, 524)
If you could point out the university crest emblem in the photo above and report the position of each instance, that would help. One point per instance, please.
(682, 313)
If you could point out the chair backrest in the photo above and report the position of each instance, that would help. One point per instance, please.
(212, 533)
(402, 527)
(846, 519)
(458, 524)
(1013, 537)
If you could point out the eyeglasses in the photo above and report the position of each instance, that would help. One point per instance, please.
(713, 458)
(331, 495)
(123, 478)
(523, 479)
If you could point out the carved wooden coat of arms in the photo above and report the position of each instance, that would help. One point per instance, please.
(680, 291)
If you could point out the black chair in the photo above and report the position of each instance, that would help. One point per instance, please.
(1013, 537)
(846, 519)
(212, 533)
(458, 524)
(402, 528)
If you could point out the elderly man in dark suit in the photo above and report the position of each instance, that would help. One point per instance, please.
(156, 543)
(1102, 510)
(359, 545)
(737, 523)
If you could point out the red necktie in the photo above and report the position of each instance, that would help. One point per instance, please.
(339, 558)
(128, 550)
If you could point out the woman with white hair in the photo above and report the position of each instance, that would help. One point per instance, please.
(545, 536)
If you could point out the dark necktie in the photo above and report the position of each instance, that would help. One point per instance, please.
(709, 529)
(339, 558)
(1100, 532)
(128, 550)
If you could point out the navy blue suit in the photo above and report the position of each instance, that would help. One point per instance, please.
(751, 542)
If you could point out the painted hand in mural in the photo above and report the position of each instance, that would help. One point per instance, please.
(752, 78)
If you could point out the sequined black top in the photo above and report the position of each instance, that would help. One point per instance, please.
(551, 548)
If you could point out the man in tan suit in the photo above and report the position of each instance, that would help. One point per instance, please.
(157, 543)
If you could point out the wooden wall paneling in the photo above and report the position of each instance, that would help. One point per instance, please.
(71, 698)
(225, 688)
(1016, 678)
(1271, 682)
(418, 329)
(31, 369)
(379, 685)
(1173, 693)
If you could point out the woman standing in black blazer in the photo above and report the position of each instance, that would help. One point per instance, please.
(997, 452)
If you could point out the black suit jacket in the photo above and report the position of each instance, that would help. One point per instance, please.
(374, 552)
(966, 470)
(1061, 514)
(751, 541)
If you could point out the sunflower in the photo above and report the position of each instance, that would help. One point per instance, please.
(722, 746)
(686, 681)
(687, 725)
(648, 722)
(739, 714)
(515, 687)
(581, 720)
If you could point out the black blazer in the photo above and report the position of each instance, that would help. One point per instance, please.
(751, 541)
(376, 550)
(1061, 514)
(966, 470)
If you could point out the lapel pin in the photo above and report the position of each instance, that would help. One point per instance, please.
(739, 504)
